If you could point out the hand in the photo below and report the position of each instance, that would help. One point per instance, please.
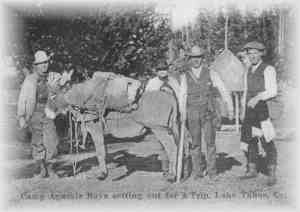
(22, 123)
(252, 102)
(134, 106)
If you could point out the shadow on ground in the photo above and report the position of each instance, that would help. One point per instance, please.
(225, 162)
(131, 162)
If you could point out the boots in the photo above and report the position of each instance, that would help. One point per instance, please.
(272, 175)
(197, 171)
(247, 165)
(187, 168)
(42, 169)
(252, 173)
(165, 166)
(50, 170)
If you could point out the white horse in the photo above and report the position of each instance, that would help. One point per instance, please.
(156, 111)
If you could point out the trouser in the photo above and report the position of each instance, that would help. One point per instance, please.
(269, 148)
(44, 138)
(253, 118)
(199, 122)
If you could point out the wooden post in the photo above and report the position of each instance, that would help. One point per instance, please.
(71, 131)
(77, 144)
(182, 109)
(226, 32)
(237, 111)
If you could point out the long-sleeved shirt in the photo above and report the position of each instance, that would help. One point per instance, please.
(27, 97)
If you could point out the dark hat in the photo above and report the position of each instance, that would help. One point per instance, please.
(162, 65)
(254, 45)
(196, 51)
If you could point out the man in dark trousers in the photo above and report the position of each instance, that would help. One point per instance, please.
(202, 116)
(260, 86)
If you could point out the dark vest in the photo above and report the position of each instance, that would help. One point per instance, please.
(256, 81)
(199, 90)
(42, 92)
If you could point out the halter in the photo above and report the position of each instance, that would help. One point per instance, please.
(140, 91)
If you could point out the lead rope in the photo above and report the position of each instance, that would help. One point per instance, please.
(70, 132)
(76, 147)
(71, 140)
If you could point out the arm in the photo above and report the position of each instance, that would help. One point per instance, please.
(26, 101)
(270, 84)
(243, 110)
(270, 87)
(218, 83)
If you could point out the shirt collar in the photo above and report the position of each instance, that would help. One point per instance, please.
(253, 69)
(192, 71)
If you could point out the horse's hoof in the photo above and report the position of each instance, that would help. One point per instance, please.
(39, 176)
(171, 178)
(82, 146)
(102, 176)
(53, 175)
(165, 173)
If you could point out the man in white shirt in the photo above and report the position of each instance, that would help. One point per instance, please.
(260, 86)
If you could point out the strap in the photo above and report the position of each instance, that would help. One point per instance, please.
(89, 110)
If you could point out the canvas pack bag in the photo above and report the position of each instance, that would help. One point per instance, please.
(230, 70)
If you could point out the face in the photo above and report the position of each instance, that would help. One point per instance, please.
(244, 58)
(42, 68)
(196, 62)
(254, 56)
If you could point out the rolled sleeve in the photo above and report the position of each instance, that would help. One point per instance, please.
(270, 84)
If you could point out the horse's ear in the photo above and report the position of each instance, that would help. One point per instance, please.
(71, 73)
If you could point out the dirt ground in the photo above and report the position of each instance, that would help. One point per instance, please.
(135, 173)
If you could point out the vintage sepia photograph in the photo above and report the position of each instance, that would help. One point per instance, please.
(165, 101)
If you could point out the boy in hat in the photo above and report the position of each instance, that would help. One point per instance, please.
(260, 86)
(34, 96)
(201, 110)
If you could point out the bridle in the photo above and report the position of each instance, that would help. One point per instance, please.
(140, 91)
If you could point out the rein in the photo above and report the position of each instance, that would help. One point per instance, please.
(140, 91)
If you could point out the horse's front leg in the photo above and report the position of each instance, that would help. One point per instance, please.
(84, 133)
(96, 131)
(168, 142)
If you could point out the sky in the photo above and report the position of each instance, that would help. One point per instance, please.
(185, 11)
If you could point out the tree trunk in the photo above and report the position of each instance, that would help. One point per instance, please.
(281, 32)
(226, 32)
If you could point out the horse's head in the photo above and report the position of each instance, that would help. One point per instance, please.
(120, 90)
(133, 89)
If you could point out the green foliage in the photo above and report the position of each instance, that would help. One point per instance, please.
(131, 40)
(123, 41)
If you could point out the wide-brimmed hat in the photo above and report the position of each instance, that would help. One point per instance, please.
(196, 51)
(254, 45)
(40, 57)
